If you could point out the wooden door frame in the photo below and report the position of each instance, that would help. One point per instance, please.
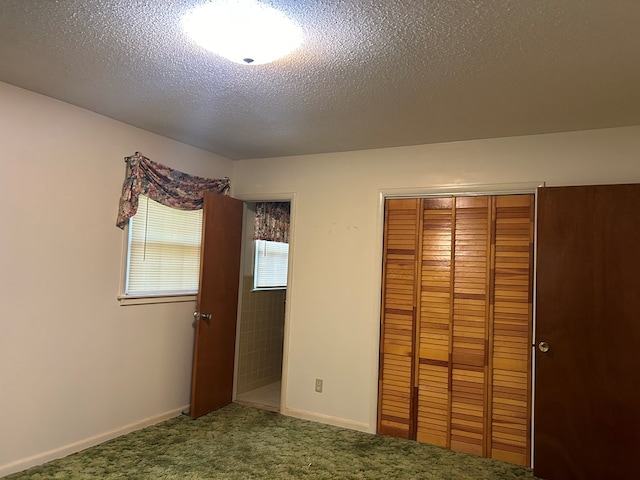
(461, 190)
(270, 197)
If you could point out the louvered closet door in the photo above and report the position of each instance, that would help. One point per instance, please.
(395, 403)
(472, 264)
(472, 325)
(435, 311)
(511, 330)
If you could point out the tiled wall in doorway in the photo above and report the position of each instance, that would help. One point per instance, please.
(261, 337)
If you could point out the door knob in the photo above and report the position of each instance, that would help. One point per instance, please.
(203, 316)
(543, 347)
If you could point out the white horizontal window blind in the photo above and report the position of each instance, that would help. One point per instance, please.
(164, 250)
(271, 264)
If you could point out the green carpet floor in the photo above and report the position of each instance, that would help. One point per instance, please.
(239, 442)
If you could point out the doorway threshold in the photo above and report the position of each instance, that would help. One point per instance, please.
(265, 398)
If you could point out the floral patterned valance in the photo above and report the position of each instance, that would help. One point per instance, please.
(164, 185)
(272, 221)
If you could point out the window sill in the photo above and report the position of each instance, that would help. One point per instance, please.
(151, 299)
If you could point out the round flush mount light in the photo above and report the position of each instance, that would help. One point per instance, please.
(243, 31)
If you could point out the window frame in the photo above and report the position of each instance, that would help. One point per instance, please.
(255, 288)
(147, 298)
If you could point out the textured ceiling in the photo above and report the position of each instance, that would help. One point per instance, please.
(371, 73)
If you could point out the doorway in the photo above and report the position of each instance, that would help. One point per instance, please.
(260, 338)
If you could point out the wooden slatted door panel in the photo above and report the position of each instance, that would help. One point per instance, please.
(512, 326)
(470, 323)
(457, 284)
(434, 332)
(395, 403)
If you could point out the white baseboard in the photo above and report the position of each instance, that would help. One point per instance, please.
(65, 450)
(328, 419)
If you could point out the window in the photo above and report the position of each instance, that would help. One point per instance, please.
(163, 254)
(271, 265)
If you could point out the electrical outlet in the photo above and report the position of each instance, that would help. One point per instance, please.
(319, 385)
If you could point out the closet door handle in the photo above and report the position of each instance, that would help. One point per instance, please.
(543, 347)
(203, 316)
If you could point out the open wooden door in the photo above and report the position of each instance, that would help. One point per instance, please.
(587, 387)
(216, 316)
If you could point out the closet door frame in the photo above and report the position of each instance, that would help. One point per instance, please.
(464, 190)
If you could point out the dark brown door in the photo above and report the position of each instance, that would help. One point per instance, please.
(214, 350)
(587, 387)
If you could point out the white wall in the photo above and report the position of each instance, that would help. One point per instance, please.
(73, 363)
(334, 294)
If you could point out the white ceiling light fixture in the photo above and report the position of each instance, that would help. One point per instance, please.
(243, 31)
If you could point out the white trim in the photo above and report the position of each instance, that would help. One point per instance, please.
(327, 419)
(145, 300)
(377, 302)
(123, 260)
(287, 305)
(445, 191)
(236, 353)
(466, 190)
(75, 447)
(267, 197)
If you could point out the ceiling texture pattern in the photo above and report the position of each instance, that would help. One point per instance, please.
(370, 73)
